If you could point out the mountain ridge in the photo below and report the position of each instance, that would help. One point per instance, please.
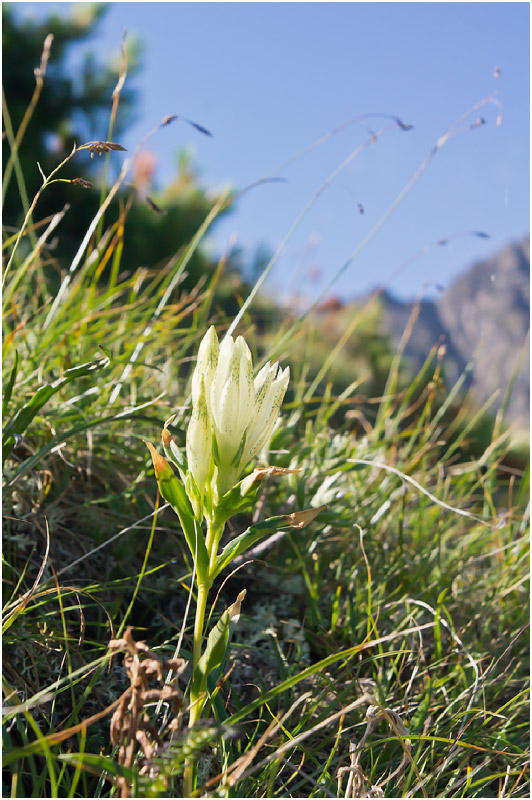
(482, 319)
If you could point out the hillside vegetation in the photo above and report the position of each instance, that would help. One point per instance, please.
(382, 645)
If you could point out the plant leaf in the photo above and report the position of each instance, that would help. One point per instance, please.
(216, 648)
(98, 764)
(11, 382)
(173, 492)
(244, 492)
(256, 532)
(25, 415)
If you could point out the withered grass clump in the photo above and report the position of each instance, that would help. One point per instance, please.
(131, 727)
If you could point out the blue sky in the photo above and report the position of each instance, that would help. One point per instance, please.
(268, 79)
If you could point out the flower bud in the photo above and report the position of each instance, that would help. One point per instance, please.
(205, 365)
(199, 440)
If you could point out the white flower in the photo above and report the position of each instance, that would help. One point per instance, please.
(199, 440)
(242, 411)
(232, 398)
(270, 387)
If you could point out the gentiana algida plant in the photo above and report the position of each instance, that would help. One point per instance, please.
(232, 420)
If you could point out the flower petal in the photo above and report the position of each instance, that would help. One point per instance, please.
(199, 441)
(267, 410)
(206, 363)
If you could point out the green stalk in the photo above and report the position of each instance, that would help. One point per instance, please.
(204, 585)
(201, 606)
(214, 533)
(196, 705)
(189, 777)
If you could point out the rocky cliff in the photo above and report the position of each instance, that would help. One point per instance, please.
(483, 318)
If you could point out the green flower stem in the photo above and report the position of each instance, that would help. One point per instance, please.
(203, 591)
(209, 539)
(196, 703)
(189, 777)
(214, 534)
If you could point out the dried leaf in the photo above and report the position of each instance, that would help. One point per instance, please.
(299, 519)
(178, 665)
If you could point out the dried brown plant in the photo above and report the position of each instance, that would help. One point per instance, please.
(131, 727)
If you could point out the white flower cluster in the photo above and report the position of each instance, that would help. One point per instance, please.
(233, 413)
